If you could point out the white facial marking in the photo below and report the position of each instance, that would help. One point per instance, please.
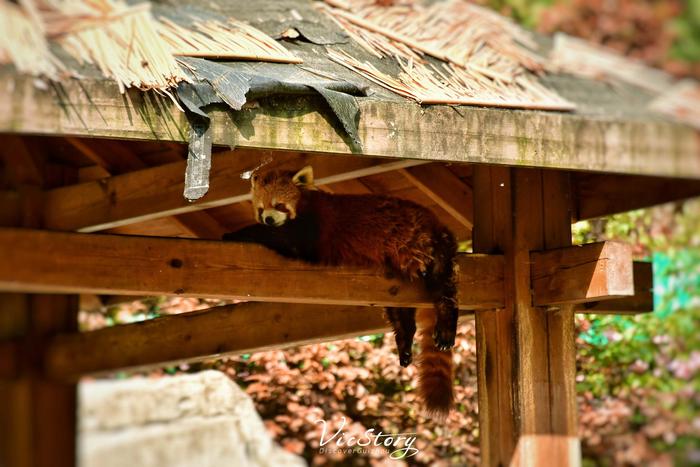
(273, 217)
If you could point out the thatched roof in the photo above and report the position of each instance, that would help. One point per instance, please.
(604, 124)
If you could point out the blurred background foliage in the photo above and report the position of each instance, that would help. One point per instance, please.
(639, 376)
(663, 33)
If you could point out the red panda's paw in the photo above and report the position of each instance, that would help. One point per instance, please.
(405, 358)
(444, 337)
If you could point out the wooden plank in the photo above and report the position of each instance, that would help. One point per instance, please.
(157, 192)
(521, 348)
(601, 195)
(41, 261)
(445, 189)
(393, 129)
(224, 330)
(641, 302)
(37, 414)
(583, 273)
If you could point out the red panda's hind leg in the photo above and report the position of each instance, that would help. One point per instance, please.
(403, 323)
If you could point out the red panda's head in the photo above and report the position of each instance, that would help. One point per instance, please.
(276, 194)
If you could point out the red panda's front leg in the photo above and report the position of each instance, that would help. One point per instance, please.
(403, 323)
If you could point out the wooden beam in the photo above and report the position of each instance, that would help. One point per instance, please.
(393, 129)
(445, 189)
(114, 158)
(641, 302)
(224, 330)
(584, 273)
(201, 225)
(525, 355)
(41, 261)
(601, 195)
(157, 192)
(21, 164)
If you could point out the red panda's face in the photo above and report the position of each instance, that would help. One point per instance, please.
(276, 194)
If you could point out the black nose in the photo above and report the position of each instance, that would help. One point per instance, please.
(269, 220)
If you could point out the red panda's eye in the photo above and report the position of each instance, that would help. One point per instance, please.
(260, 211)
(281, 207)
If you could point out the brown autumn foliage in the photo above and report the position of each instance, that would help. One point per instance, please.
(637, 28)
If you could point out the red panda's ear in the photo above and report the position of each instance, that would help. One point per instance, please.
(305, 177)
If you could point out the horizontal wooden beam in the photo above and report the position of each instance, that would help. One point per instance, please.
(393, 129)
(230, 329)
(37, 261)
(641, 302)
(605, 194)
(157, 192)
(577, 274)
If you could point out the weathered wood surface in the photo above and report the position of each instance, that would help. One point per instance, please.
(582, 273)
(157, 192)
(395, 129)
(525, 355)
(641, 302)
(41, 261)
(229, 329)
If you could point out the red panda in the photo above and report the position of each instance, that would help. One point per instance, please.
(363, 230)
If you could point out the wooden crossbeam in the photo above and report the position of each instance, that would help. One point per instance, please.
(229, 329)
(41, 261)
(597, 271)
(157, 192)
(641, 302)
(445, 189)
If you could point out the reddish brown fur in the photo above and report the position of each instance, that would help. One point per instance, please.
(383, 231)
(435, 369)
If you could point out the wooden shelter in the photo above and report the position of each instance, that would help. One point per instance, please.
(91, 183)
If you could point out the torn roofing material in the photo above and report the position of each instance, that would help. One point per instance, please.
(234, 84)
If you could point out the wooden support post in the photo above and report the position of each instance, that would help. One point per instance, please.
(525, 354)
(37, 415)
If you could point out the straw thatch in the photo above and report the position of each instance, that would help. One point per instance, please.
(487, 59)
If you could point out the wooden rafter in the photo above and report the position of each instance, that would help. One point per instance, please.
(445, 189)
(605, 194)
(114, 159)
(157, 191)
